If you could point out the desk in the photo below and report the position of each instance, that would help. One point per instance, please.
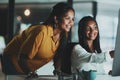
(51, 77)
(107, 77)
(41, 77)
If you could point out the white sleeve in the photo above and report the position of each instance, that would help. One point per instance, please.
(82, 59)
(100, 57)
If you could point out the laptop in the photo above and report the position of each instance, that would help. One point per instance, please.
(116, 61)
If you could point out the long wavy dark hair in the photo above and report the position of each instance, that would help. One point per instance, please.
(59, 10)
(82, 37)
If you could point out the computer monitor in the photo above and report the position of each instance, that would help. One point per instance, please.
(116, 61)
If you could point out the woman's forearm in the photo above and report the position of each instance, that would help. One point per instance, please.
(22, 60)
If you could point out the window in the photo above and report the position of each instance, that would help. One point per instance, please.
(81, 9)
(107, 19)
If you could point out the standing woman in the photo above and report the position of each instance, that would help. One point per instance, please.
(39, 44)
(87, 55)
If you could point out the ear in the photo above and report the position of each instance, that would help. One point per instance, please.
(55, 19)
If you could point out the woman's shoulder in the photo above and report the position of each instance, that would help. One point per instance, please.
(40, 28)
(79, 49)
(77, 46)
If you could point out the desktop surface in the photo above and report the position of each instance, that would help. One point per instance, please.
(51, 77)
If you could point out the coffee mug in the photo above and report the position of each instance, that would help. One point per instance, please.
(89, 75)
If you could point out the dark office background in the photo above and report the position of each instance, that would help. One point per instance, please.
(105, 12)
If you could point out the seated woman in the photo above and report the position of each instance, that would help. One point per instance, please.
(87, 55)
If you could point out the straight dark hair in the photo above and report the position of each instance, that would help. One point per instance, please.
(82, 37)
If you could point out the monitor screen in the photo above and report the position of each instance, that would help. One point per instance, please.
(116, 61)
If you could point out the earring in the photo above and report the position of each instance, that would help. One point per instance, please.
(55, 23)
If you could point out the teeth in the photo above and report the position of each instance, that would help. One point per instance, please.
(68, 26)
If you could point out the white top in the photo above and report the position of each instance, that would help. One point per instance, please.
(81, 59)
(2, 44)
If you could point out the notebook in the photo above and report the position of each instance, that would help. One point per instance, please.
(116, 61)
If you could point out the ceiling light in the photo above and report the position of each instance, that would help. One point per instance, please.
(27, 12)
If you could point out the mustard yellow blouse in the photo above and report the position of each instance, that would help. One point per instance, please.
(37, 43)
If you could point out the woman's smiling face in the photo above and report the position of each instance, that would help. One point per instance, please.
(67, 21)
(91, 30)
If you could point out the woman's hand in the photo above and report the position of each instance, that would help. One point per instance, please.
(57, 72)
(112, 53)
(110, 72)
(31, 76)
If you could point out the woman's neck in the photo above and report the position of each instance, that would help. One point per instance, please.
(91, 47)
(56, 35)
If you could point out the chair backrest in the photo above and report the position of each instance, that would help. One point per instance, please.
(66, 61)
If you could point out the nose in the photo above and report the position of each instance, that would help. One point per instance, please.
(71, 21)
(93, 31)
